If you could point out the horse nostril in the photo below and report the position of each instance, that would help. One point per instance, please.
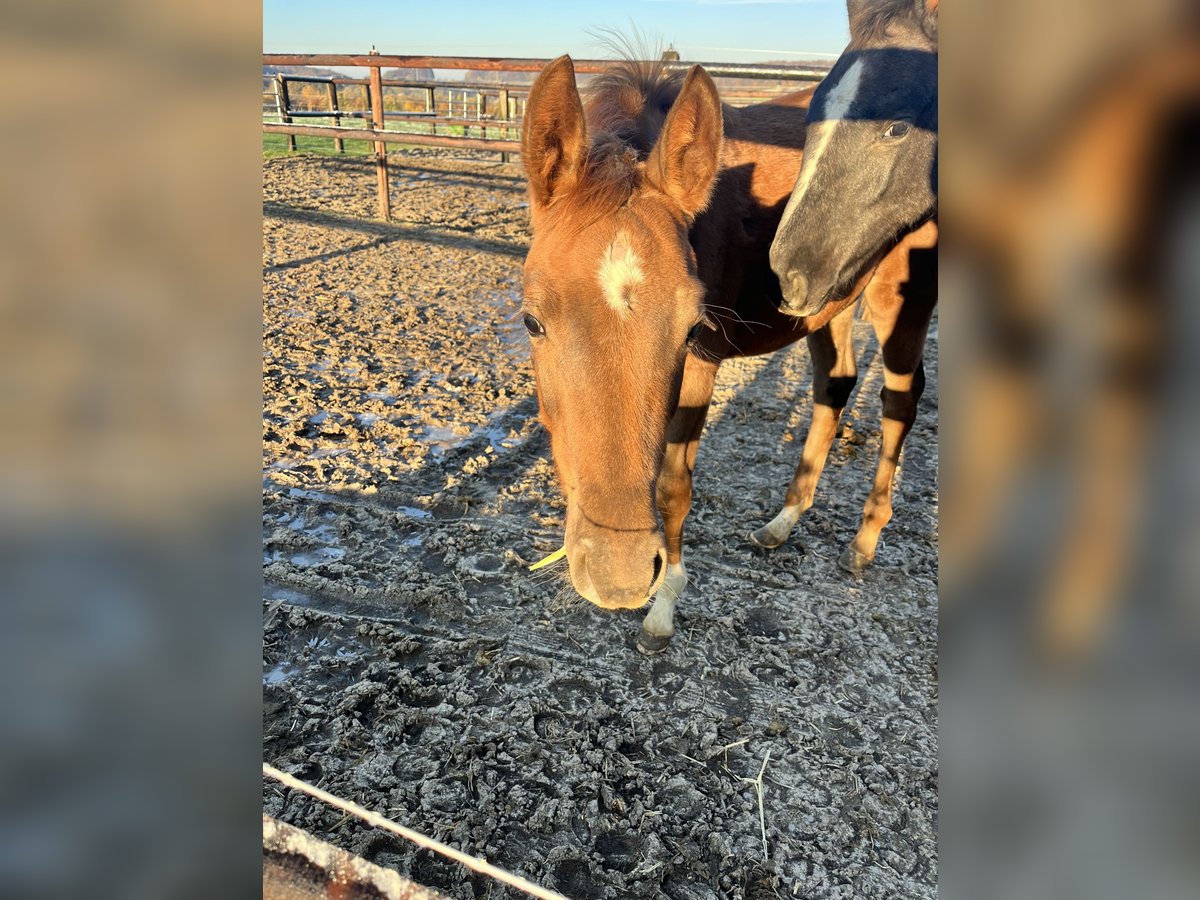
(799, 284)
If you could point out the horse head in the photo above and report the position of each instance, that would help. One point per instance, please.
(611, 303)
(870, 156)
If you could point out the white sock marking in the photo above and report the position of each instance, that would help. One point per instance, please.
(660, 621)
(781, 526)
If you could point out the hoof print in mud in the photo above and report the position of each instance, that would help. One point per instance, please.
(650, 644)
(484, 565)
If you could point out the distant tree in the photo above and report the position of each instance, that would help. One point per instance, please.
(408, 74)
(353, 97)
(307, 95)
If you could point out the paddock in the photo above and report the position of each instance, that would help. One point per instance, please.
(414, 665)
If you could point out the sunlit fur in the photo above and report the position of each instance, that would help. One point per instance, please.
(608, 260)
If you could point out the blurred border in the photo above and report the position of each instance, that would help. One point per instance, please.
(129, 491)
(1070, 318)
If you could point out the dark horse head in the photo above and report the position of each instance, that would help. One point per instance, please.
(870, 155)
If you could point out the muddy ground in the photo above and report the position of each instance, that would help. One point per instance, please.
(413, 664)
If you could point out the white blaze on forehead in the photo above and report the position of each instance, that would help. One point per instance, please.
(620, 272)
(843, 94)
(838, 102)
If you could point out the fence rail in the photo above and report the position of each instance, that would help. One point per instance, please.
(504, 116)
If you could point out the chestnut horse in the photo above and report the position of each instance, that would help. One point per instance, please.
(653, 209)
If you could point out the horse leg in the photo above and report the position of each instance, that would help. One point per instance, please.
(834, 376)
(675, 497)
(901, 321)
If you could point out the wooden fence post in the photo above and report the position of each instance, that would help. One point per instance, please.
(381, 172)
(503, 115)
(283, 105)
(338, 144)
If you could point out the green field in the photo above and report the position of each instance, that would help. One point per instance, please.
(276, 144)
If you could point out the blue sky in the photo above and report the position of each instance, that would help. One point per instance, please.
(703, 30)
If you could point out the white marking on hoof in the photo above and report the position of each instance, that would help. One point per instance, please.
(660, 621)
(620, 272)
(776, 532)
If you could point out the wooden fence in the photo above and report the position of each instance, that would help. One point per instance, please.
(504, 116)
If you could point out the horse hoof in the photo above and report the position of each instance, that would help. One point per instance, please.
(651, 644)
(853, 561)
(765, 539)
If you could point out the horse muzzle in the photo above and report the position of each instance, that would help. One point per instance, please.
(618, 574)
(798, 299)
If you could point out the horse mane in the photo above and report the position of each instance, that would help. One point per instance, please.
(629, 102)
(625, 107)
(872, 20)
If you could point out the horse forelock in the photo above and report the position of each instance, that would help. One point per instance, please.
(625, 107)
(875, 20)
(629, 102)
(607, 184)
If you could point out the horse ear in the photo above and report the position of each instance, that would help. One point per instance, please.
(553, 135)
(684, 161)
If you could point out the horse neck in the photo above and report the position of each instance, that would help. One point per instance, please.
(760, 161)
(766, 142)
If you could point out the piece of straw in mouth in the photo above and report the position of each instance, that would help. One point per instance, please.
(553, 557)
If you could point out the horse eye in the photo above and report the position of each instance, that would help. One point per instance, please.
(896, 130)
(694, 332)
(533, 326)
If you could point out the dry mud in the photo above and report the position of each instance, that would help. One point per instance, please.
(413, 664)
